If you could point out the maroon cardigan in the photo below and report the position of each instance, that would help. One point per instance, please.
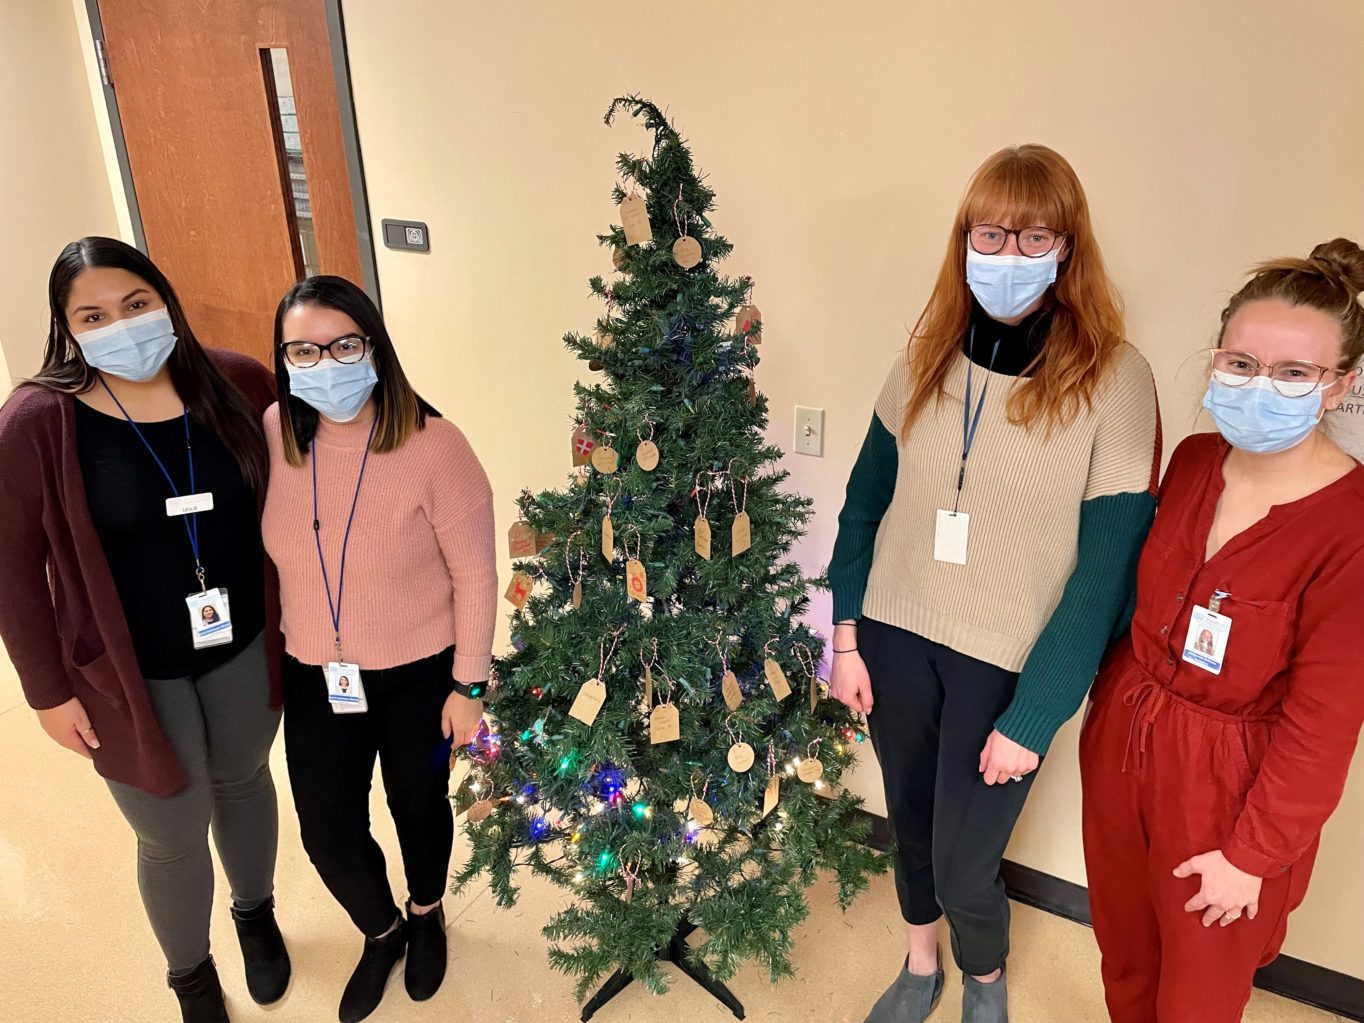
(60, 615)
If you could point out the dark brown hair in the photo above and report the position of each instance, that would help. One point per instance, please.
(1030, 185)
(402, 412)
(211, 398)
(1330, 279)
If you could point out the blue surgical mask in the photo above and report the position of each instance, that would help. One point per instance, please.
(1255, 417)
(1006, 286)
(338, 390)
(133, 349)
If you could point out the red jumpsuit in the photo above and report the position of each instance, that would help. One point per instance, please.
(1177, 761)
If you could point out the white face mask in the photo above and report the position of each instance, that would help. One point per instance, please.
(132, 349)
(338, 390)
(1007, 286)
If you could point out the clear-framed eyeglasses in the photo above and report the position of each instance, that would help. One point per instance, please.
(348, 349)
(1294, 378)
(1033, 242)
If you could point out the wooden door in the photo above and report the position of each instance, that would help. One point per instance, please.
(233, 137)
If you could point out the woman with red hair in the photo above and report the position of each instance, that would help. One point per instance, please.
(986, 552)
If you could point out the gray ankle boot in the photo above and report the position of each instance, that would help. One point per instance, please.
(910, 999)
(985, 1003)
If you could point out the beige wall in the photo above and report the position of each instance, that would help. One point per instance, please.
(838, 138)
(53, 180)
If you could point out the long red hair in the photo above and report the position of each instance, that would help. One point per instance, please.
(1025, 186)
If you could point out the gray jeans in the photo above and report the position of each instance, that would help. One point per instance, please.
(222, 728)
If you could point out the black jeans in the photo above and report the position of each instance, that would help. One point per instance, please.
(933, 710)
(331, 764)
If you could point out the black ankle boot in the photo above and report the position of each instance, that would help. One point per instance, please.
(200, 994)
(365, 990)
(263, 951)
(425, 968)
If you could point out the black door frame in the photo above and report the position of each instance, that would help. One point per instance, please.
(350, 134)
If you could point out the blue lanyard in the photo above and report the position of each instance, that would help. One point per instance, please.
(970, 424)
(335, 607)
(191, 520)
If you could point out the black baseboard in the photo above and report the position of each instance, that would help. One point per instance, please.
(1292, 978)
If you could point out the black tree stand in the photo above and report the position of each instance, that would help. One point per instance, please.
(674, 952)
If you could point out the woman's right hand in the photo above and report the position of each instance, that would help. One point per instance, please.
(69, 726)
(849, 682)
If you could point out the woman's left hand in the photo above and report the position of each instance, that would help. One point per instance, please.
(459, 718)
(1226, 892)
(1004, 760)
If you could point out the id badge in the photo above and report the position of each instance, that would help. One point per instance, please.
(189, 504)
(210, 618)
(1206, 644)
(345, 691)
(949, 539)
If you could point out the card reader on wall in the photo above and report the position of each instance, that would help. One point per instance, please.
(410, 235)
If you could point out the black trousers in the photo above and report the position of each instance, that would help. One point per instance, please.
(932, 711)
(331, 765)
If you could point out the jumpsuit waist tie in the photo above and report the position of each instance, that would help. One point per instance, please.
(1149, 698)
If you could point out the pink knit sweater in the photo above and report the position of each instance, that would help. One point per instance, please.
(421, 569)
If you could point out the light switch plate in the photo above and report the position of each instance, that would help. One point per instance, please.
(809, 431)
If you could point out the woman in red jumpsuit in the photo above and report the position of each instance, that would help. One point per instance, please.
(1221, 731)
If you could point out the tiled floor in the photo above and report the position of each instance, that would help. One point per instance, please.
(77, 947)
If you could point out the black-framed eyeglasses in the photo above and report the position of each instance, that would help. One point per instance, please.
(1033, 242)
(1294, 378)
(350, 348)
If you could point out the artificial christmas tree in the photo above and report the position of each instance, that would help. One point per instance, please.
(663, 747)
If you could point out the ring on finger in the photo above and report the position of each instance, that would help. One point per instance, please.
(1015, 777)
(1231, 918)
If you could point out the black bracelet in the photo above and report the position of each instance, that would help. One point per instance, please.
(850, 650)
(471, 690)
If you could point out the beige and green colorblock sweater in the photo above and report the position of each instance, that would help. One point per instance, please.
(1057, 521)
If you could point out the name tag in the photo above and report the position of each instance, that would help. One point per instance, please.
(345, 691)
(1206, 644)
(210, 618)
(949, 539)
(188, 504)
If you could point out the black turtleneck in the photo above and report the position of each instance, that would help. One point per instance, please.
(1019, 344)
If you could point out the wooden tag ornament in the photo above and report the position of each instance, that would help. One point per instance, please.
(605, 459)
(703, 537)
(618, 257)
(648, 686)
(608, 539)
(664, 724)
(577, 597)
(588, 703)
(741, 538)
(519, 591)
(729, 687)
(772, 795)
(750, 323)
(646, 455)
(583, 444)
(687, 252)
(521, 539)
(636, 580)
(699, 810)
(776, 678)
(634, 217)
(480, 811)
(740, 757)
(810, 770)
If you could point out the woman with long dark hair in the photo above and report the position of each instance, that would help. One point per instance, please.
(985, 552)
(380, 518)
(132, 468)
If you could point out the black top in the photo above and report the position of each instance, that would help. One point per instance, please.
(148, 552)
(1019, 345)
